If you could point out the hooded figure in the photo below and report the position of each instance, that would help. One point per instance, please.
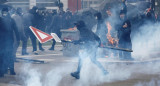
(7, 30)
(124, 33)
(90, 43)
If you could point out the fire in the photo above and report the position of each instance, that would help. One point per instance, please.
(111, 40)
(74, 28)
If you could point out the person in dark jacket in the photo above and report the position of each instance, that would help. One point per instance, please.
(68, 19)
(27, 21)
(18, 18)
(40, 23)
(124, 33)
(8, 29)
(32, 36)
(37, 22)
(90, 45)
(57, 24)
(101, 29)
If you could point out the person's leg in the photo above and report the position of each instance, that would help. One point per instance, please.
(94, 60)
(24, 46)
(121, 53)
(128, 54)
(79, 66)
(1, 65)
(77, 73)
(11, 64)
(53, 44)
(40, 46)
(6, 62)
(34, 44)
(15, 48)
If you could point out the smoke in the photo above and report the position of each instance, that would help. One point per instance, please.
(146, 41)
(153, 82)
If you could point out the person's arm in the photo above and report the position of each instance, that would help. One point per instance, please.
(15, 29)
(97, 39)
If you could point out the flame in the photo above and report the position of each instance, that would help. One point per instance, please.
(109, 37)
(111, 40)
(74, 28)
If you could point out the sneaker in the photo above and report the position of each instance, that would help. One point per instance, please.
(35, 52)
(41, 49)
(76, 75)
(51, 49)
(25, 53)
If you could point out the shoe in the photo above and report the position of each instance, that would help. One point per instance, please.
(25, 53)
(35, 52)
(12, 73)
(51, 48)
(41, 49)
(76, 75)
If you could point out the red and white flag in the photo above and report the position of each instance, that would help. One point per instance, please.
(41, 36)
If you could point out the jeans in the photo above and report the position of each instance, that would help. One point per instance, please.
(90, 52)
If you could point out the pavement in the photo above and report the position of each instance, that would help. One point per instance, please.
(56, 69)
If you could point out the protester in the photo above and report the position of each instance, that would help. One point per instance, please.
(18, 18)
(8, 29)
(90, 46)
(124, 33)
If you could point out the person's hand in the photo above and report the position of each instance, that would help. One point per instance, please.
(125, 26)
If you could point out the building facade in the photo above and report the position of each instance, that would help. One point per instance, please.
(31, 3)
(91, 3)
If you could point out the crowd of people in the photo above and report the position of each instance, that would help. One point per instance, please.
(114, 30)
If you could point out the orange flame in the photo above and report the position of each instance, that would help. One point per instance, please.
(109, 37)
(111, 40)
(74, 28)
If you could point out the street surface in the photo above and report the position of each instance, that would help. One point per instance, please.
(56, 69)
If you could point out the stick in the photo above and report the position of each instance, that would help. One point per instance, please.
(116, 48)
(30, 60)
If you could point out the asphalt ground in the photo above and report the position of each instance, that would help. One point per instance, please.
(56, 69)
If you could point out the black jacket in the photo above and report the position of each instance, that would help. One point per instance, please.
(124, 33)
(88, 37)
(7, 30)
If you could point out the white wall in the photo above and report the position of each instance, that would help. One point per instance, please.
(65, 3)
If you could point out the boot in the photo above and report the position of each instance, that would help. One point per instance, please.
(41, 49)
(75, 75)
(25, 53)
(51, 49)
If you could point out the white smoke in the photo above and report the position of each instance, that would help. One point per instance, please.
(146, 41)
(153, 82)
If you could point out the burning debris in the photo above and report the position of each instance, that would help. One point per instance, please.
(111, 40)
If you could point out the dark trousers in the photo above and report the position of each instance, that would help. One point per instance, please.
(1, 63)
(34, 41)
(123, 54)
(8, 60)
(24, 44)
(53, 44)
